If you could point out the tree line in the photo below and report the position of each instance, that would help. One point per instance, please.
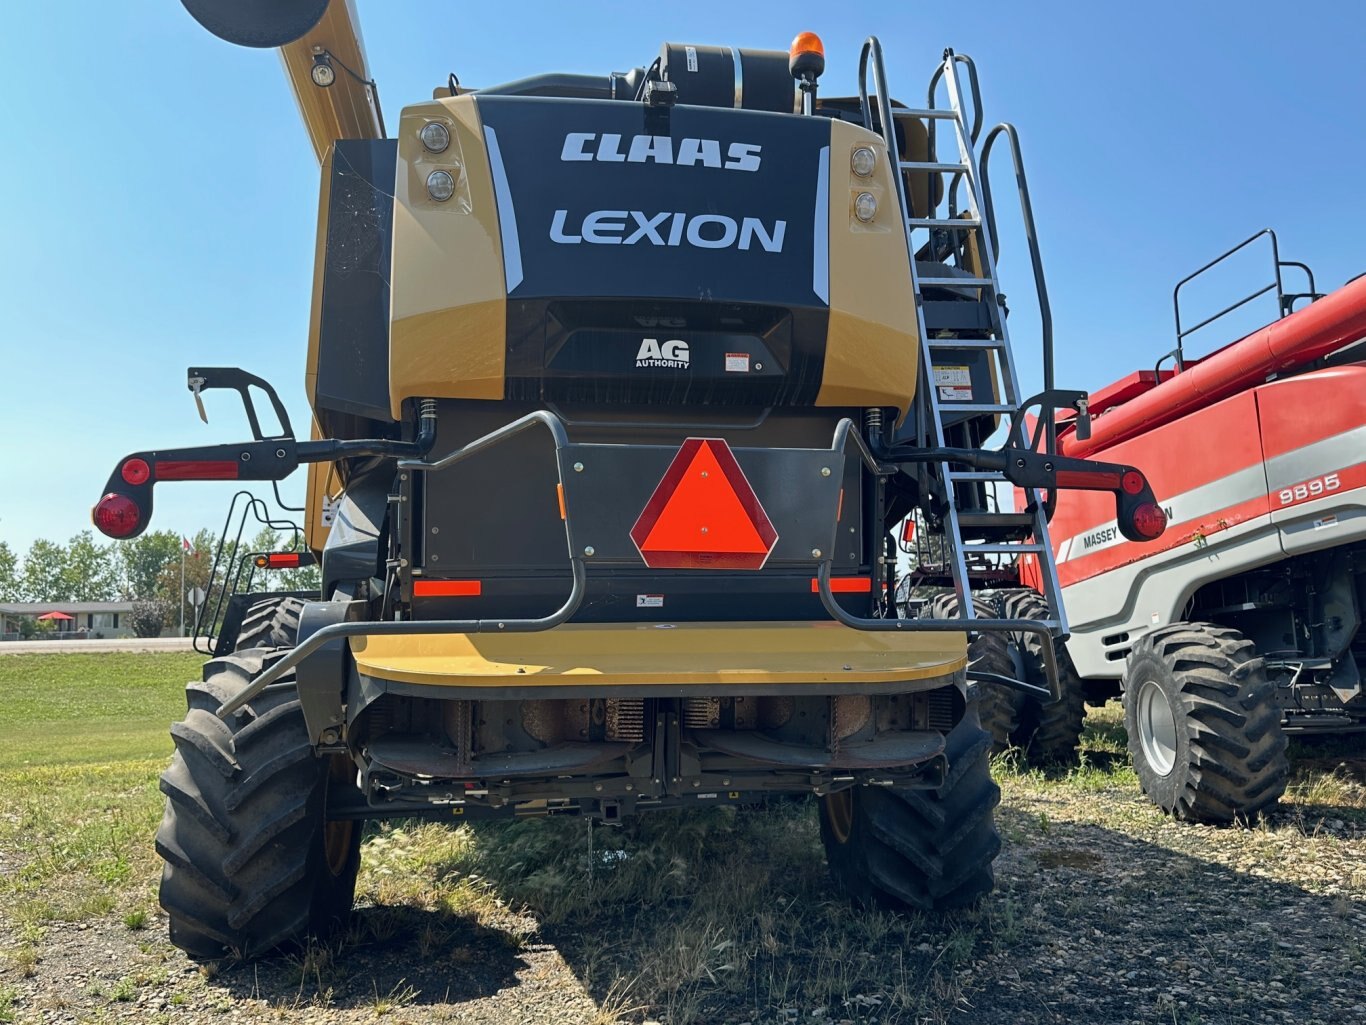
(145, 570)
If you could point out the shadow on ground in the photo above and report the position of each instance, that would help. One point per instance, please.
(388, 958)
(1104, 912)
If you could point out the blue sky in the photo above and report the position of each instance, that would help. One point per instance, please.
(159, 193)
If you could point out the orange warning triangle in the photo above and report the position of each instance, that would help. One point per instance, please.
(704, 514)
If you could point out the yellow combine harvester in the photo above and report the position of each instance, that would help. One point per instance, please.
(618, 397)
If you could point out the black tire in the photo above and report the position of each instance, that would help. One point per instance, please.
(272, 623)
(1048, 731)
(251, 862)
(919, 850)
(1099, 692)
(1226, 758)
(998, 707)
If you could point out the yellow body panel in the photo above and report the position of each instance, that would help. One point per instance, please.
(872, 349)
(614, 655)
(347, 108)
(448, 312)
(324, 483)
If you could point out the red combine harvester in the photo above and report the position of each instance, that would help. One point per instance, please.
(1243, 622)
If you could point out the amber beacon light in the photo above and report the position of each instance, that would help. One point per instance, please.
(806, 56)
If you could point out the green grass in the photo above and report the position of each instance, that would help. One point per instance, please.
(82, 739)
(83, 709)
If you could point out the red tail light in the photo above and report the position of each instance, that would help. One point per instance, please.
(1149, 520)
(1132, 482)
(278, 560)
(117, 516)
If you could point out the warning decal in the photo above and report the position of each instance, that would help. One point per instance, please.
(953, 383)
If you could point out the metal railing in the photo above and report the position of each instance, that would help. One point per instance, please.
(1285, 301)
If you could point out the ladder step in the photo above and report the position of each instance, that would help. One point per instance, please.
(944, 222)
(966, 343)
(930, 165)
(948, 406)
(974, 520)
(957, 282)
(933, 112)
(969, 475)
(1001, 549)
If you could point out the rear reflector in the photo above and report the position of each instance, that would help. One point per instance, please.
(704, 514)
(197, 469)
(447, 588)
(1133, 482)
(845, 585)
(117, 516)
(1088, 480)
(908, 530)
(135, 471)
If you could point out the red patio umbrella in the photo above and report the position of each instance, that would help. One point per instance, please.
(55, 615)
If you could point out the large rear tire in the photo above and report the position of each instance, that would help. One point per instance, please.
(251, 861)
(1204, 726)
(1049, 731)
(919, 850)
(273, 623)
(998, 707)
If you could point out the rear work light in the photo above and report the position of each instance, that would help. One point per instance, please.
(117, 516)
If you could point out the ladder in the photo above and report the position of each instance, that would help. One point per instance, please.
(972, 533)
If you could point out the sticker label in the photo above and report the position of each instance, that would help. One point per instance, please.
(691, 52)
(329, 510)
(737, 363)
(954, 383)
(1327, 521)
(649, 601)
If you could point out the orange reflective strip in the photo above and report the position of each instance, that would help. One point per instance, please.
(447, 588)
(845, 585)
(559, 494)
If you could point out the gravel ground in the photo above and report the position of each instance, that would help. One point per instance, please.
(1104, 912)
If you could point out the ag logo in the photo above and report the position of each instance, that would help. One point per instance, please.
(672, 354)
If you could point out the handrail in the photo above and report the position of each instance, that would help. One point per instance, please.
(1035, 257)
(1285, 300)
(1032, 626)
(411, 627)
(845, 431)
(872, 47)
(976, 130)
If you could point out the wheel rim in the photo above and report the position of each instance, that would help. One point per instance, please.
(1156, 728)
(338, 834)
(839, 813)
(337, 845)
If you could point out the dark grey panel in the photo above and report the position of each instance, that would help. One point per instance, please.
(353, 338)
